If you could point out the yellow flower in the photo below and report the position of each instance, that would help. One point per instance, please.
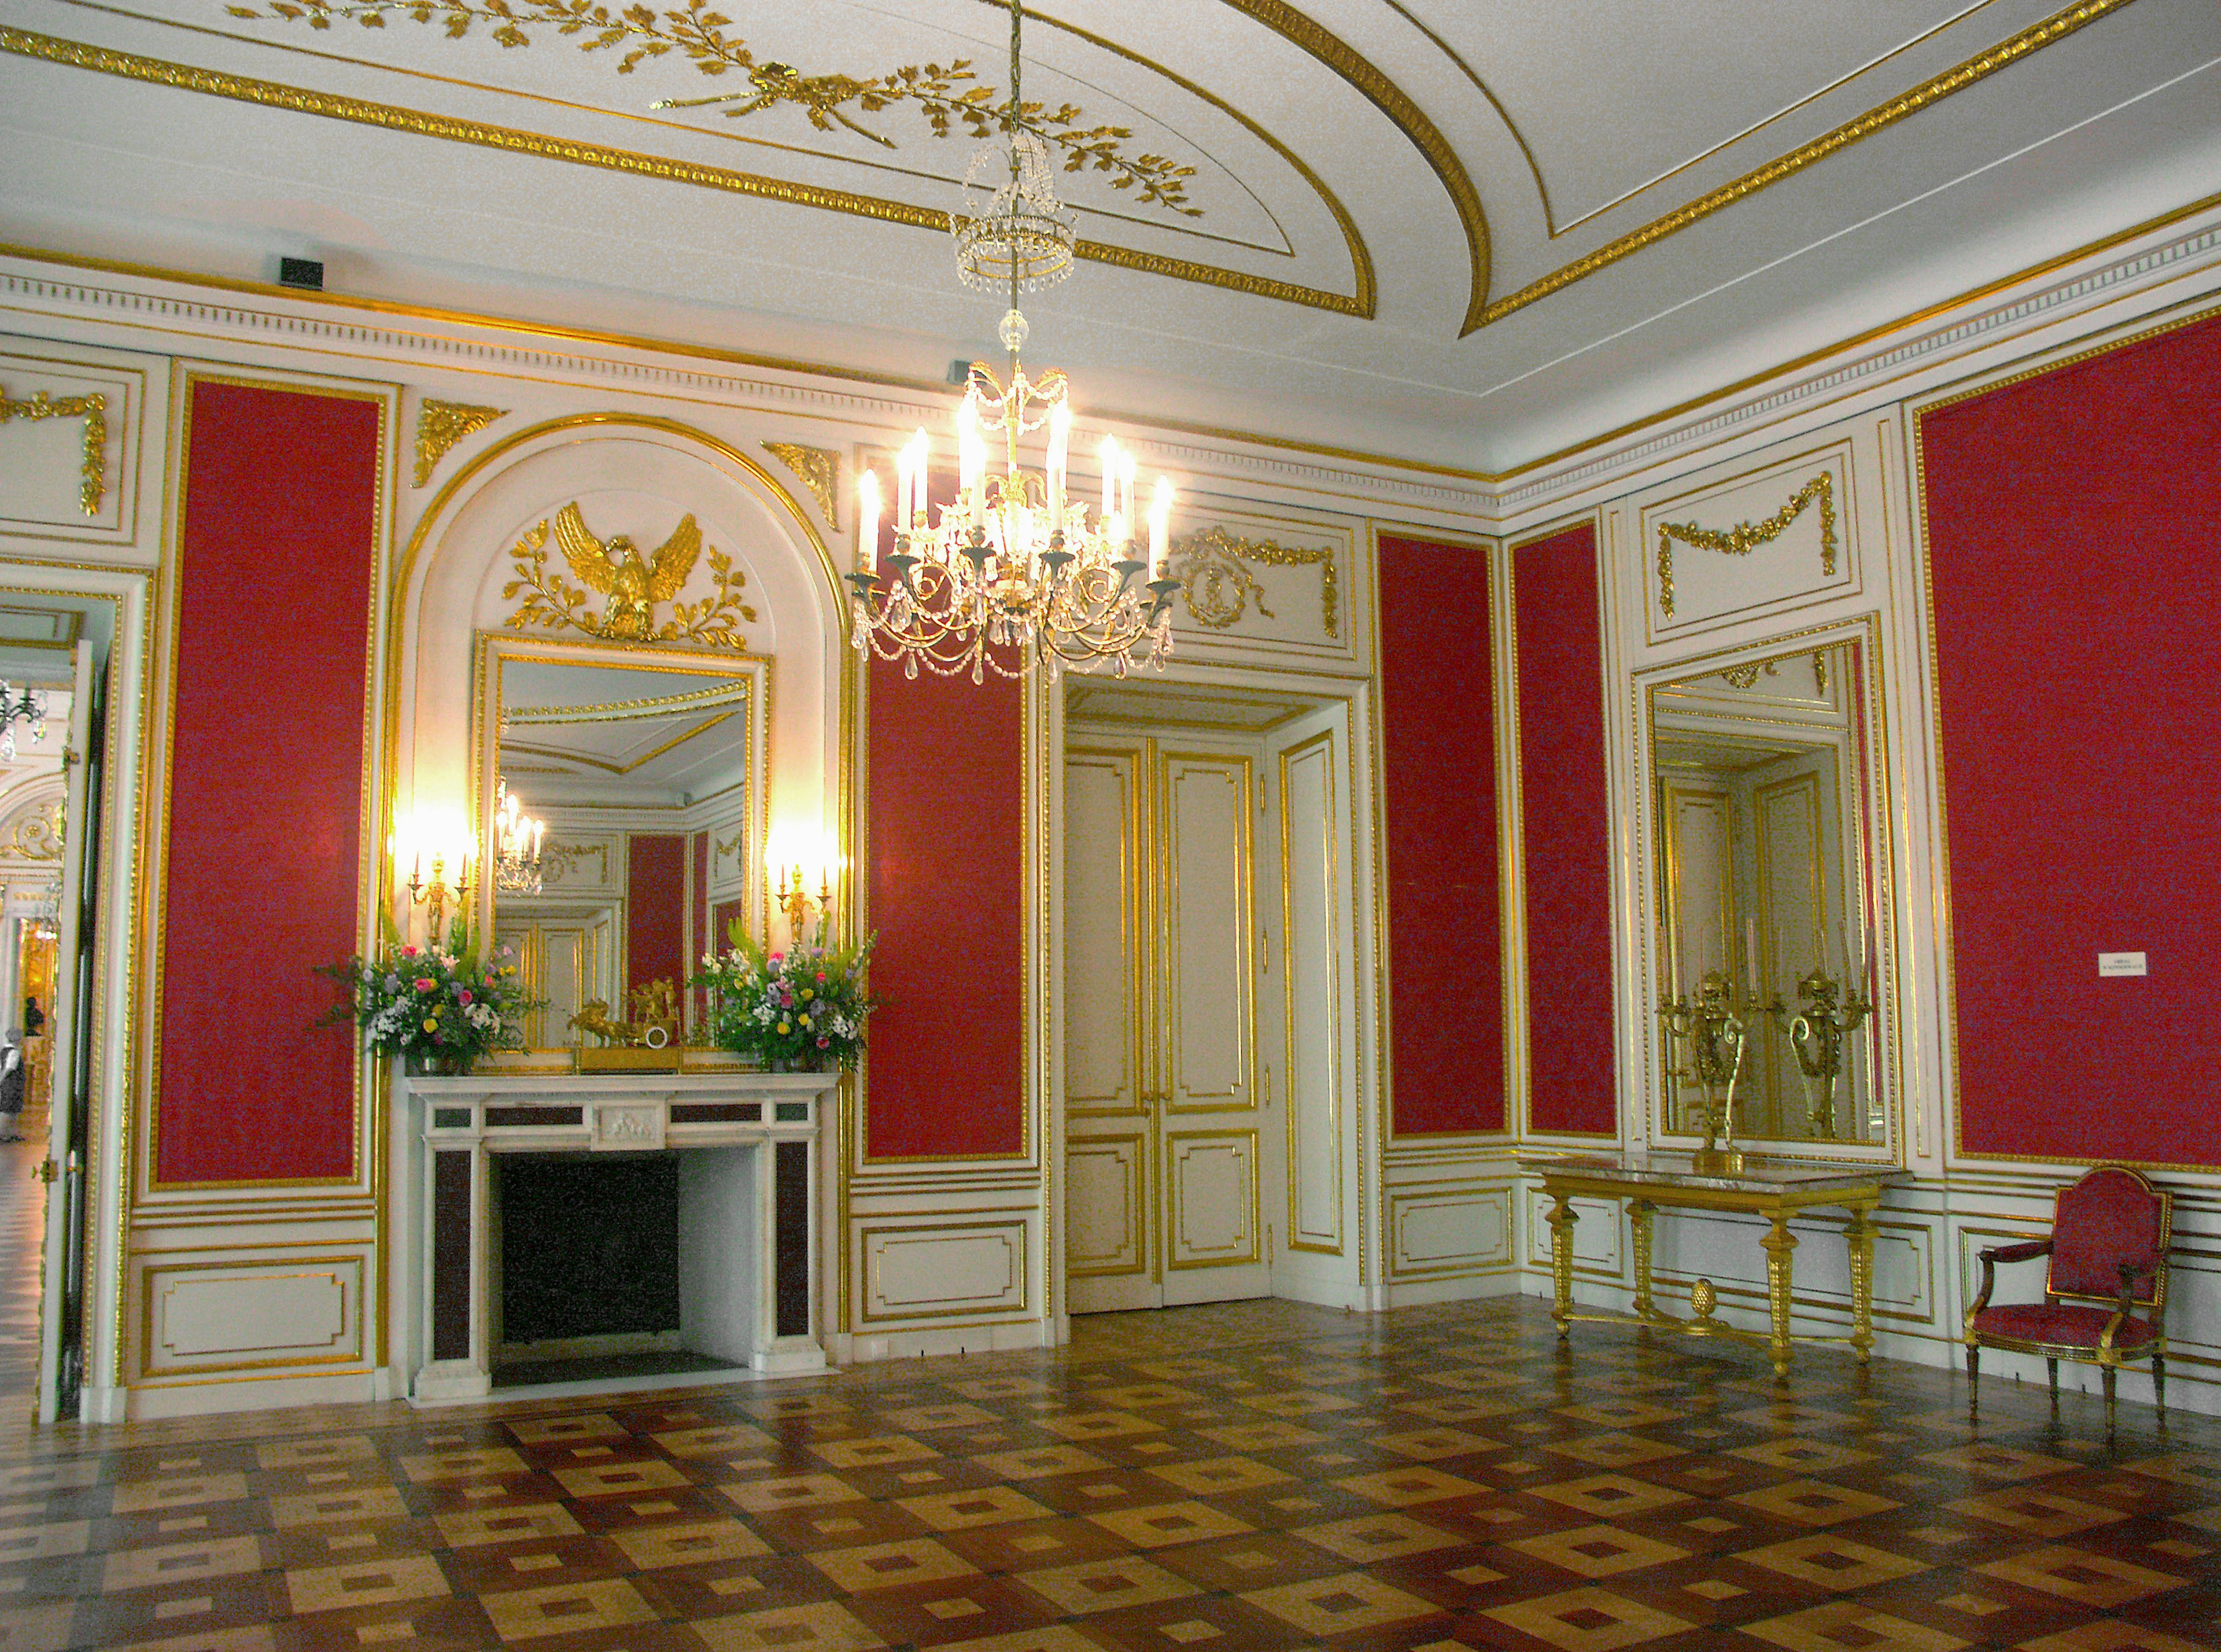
(431, 1023)
(785, 1028)
(808, 994)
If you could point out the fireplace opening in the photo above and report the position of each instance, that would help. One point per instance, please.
(619, 1265)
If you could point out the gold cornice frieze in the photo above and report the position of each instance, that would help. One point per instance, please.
(271, 94)
(1906, 104)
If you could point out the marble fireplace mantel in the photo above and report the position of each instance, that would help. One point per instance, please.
(749, 1232)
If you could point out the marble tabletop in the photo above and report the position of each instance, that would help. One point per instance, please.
(1640, 1167)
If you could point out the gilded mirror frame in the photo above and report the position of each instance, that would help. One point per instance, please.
(1865, 857)
(493, 651)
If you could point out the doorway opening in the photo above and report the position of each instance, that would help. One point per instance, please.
(1208, 997)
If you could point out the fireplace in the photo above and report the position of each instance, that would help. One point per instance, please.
(605, 1232)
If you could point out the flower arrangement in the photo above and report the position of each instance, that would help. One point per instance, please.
(442, 1006)
(802, 1009)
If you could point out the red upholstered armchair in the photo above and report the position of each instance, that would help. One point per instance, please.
(2105, 1293)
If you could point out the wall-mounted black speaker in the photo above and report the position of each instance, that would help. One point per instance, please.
(307, 274)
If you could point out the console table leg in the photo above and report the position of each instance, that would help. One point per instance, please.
(1780, 1243)
(1860, 1236)
(1561, 1220)
(1638, 1221)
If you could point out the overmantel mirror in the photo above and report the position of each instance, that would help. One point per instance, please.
(1771, 1003)
(621, 798)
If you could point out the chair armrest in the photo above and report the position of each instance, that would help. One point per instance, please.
(2026, 1250)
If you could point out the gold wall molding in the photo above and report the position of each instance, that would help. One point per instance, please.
(817, 469)
(1747, 537)
(441, 425)
(635, 585)
(93, 409)
(270, 94)
(1906, 104)
(1408, 118)
(1217, 587)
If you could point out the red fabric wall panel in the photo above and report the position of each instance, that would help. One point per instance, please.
(1565, 829)
(277, 554)
(655, 909)
(2071, 521)
(947, 829)
(1445, 926)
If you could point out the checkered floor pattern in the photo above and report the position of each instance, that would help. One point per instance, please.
(1249, 1476)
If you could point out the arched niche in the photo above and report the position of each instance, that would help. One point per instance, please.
(459, 578)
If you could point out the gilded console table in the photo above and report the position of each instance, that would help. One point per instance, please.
(1776, 1192)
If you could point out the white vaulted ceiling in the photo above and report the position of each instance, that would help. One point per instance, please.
(1462, 232)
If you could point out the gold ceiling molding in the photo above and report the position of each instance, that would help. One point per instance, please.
(635, 585)
(1390, 99)
(817, 469)
(441, 425)
(1747, 537)
(1217, 587)
(698, 33)
(271, 94)
(1534, 166)
(1903, 107)
(92, 486)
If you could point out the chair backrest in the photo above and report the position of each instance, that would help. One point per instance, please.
(2110, 1216)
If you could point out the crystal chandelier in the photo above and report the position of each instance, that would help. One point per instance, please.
(515, 845)
(25, 705)
(1012, 573)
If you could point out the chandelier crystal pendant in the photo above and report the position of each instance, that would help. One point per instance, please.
(515, 845)
(1012, 574)
(25, 705)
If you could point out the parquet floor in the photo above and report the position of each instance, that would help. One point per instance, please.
(1252, 1476)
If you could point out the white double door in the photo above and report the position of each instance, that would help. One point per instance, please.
(1177, 1019)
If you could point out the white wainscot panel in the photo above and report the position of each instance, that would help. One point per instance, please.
(1261, 589)
(1597, 1246)
(1443, 1231)
(1767, 542)
(265, 1316)
(943, 1271)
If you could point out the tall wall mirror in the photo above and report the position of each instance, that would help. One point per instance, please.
(1767, 862)
(621, 798)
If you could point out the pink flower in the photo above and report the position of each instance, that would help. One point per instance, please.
(824, 1042)
(821, 974)
(426, 984)
(463, 996)
(409, 952)
(776, 959)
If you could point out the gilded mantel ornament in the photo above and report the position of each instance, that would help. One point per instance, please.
(1747, 537)
(1217, 585)
(441, 425)
(817, 469)
(93, 409)
(635, 586)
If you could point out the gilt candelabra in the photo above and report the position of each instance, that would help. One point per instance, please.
(1832, 1012)
(1705, 1036)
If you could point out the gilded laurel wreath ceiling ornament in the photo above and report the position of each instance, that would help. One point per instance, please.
(1747, 537)
(948, 96)
(634, 586)
(93, 409)
(1217, 585)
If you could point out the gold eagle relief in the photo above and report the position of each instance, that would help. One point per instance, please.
(633, 586)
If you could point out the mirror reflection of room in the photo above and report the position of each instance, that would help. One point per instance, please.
(1762, 808)
(618, 775)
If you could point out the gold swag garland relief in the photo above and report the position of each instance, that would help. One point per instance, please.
(1217, 585)
(1747, 537)
(93, 409)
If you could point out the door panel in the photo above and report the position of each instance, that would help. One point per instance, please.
(1311, 991)
(1109, 1137)
(1206, 989)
